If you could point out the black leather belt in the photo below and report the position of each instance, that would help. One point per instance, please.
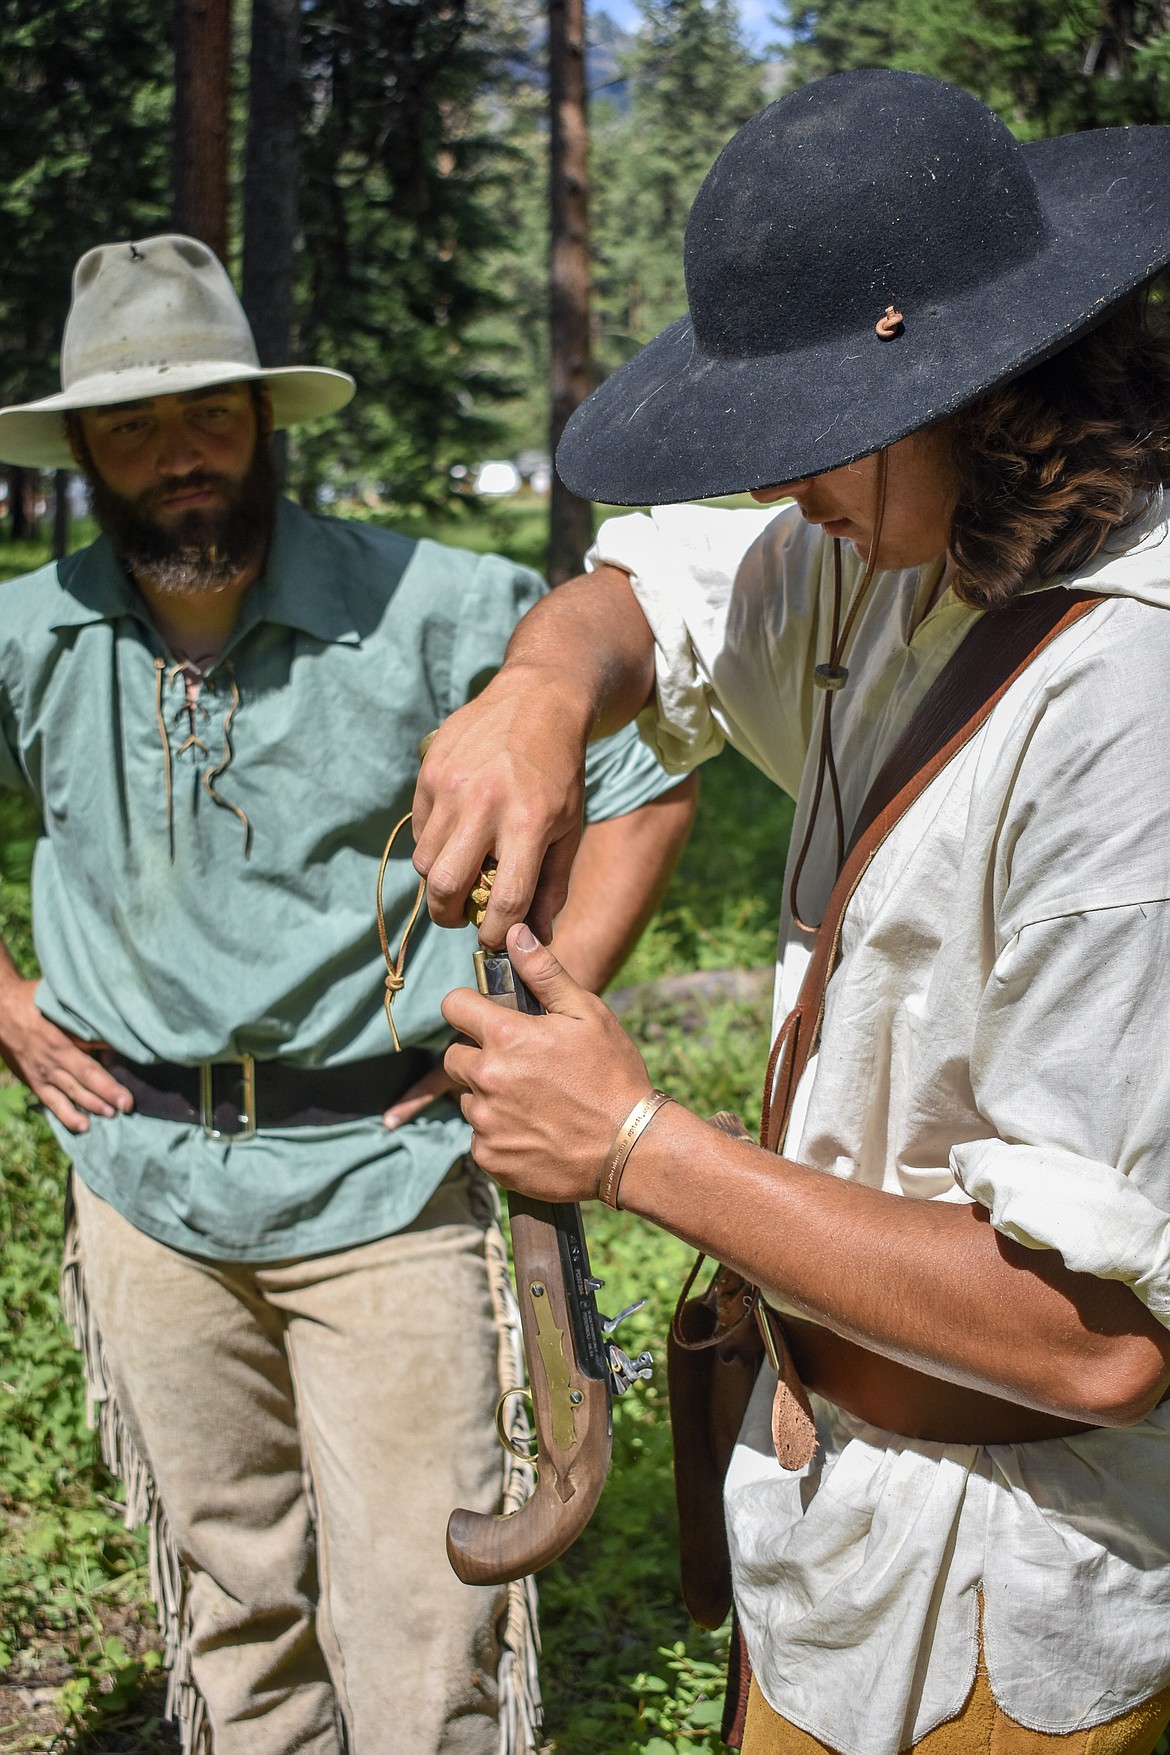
(235, 1097)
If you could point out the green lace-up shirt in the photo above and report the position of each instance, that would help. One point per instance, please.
(204, 884)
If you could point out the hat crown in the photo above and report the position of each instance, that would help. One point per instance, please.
(862, 190)
(152, 305)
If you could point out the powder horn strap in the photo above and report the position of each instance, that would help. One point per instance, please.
(997, 650)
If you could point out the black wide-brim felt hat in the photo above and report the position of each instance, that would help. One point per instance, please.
(860, 192)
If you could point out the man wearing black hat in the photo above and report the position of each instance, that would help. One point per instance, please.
(953, 651)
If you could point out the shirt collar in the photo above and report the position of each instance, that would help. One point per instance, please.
(299, 588)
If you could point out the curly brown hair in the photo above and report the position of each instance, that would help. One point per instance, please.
(1051, 462)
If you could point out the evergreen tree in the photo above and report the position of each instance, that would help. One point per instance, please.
(514, 341)
(692, 83)
(85, 101)
(1047, 66)
(834, 36)
(400, 158)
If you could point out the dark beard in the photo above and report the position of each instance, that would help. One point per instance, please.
(206, 549)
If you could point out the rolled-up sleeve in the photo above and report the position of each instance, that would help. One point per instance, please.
(1071, 1071)
(706, 581)
(731, 598)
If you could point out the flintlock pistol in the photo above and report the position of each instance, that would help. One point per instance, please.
(574, 1367)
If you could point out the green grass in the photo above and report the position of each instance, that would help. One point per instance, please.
(623, 1669)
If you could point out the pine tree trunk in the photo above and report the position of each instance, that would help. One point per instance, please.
(202, 89)
(60, 513)
(571, 371)
(270, 177)
(270, 184)
(22, 502)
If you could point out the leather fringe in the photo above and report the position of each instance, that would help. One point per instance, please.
(168, 1586)
(520, 1706)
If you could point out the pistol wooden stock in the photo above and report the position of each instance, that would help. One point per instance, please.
(568, 1374)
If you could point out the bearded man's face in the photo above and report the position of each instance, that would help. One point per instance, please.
(183, 486)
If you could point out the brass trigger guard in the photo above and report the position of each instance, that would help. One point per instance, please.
(524, 1456)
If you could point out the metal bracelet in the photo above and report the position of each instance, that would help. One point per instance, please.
(623, 1143)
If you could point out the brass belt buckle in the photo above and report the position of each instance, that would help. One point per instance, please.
(247, 1107)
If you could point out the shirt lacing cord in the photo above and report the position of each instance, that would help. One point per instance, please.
(166, 676)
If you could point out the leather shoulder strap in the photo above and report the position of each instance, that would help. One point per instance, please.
(998, 649)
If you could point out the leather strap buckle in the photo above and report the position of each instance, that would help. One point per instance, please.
(246, 1102)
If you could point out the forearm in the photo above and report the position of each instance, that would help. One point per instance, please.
(622, 867)
(589, 641)
(504, 777)
(928, 1284)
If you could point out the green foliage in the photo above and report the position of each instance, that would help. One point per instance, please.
(835, 36)
(400, 156)
(685, 1713)
(69, 1571)
(18, 833)
(612, 1605)
(721, 910)
(1048, 67)
(1026, 58)
(692, 83)
(515, 338)
(84, 142)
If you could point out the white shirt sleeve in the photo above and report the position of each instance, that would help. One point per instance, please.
(733, 600)
(1069, 1061)
(1071, 1070)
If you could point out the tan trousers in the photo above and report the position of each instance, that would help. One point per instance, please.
(980, 1729)
(309, 1427)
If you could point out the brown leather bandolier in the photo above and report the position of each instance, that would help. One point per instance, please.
(720, 1338)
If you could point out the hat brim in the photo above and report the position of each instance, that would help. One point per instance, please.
(33, 435)
(678, 423)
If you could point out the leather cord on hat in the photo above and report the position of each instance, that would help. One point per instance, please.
(831, 678)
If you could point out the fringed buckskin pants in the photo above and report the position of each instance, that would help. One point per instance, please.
(297, 1434)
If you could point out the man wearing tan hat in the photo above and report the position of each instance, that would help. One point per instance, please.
(281, 1265)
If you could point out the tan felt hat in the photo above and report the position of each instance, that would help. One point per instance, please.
(154, 318)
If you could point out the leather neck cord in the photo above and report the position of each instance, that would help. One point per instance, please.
(997, 650)
(831, 678)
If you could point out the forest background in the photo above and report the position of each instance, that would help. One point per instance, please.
(419, 179)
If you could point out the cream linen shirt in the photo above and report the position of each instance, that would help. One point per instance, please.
(996, 1031)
